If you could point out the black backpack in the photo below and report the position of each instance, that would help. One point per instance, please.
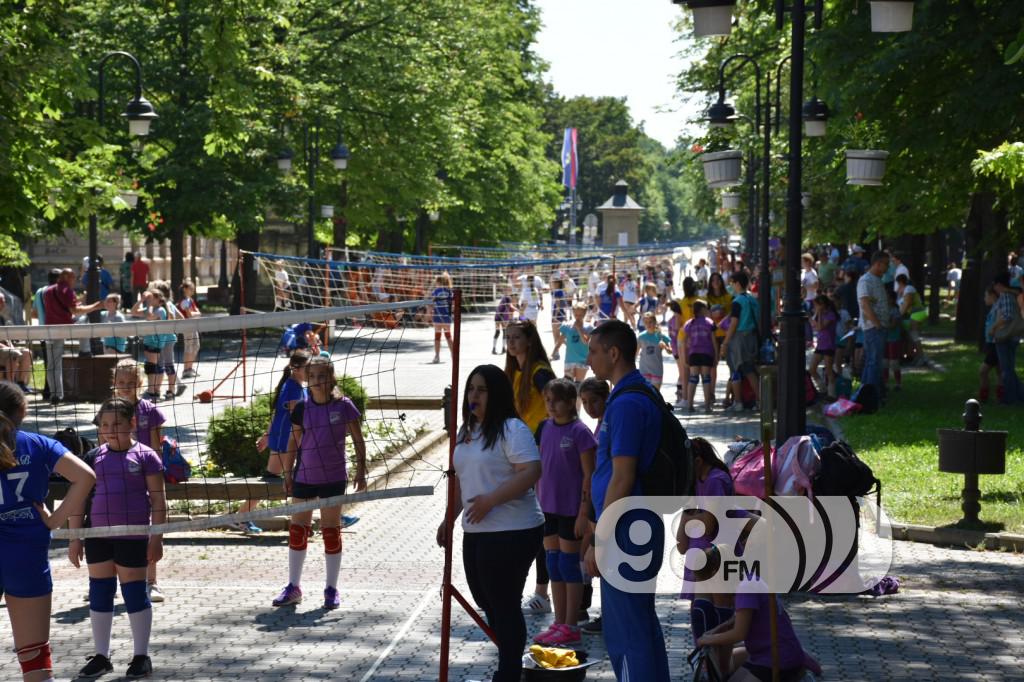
(671, 471)
(842, 472)
(77, 445)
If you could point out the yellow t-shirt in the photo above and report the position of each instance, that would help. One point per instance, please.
(725, 300)
(535, 411)
(686, 305)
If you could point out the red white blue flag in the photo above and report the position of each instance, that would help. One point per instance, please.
(570, 161)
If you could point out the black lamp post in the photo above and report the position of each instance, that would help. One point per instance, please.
(339, 156)
(140, 114)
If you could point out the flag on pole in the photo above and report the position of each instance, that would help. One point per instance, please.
(570, 161)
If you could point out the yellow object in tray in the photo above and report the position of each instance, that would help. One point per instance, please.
(548, 657)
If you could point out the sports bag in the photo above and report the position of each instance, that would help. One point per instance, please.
(671, 470)
(842, 472)
(176, 467)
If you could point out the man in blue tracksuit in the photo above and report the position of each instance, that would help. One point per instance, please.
(629, 437)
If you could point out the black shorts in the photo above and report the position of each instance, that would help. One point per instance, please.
(308, 491)
(827, 352)
(991, 358)
(700, 360)
(130, 553)
(562, 526)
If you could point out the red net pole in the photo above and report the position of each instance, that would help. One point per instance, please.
(241, 294)
(449, 515)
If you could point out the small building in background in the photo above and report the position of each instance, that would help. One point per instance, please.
(620, 217)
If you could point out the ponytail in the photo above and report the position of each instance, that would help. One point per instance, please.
(298, 359)
(12, 408)
(706, 451)
(7, 458)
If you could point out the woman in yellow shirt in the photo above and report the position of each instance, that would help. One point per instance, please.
(686, 306)
(718, 295)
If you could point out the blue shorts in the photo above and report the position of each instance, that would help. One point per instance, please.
(442, 319)
(25, 570)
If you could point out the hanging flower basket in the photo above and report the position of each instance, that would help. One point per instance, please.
(730, 200)
(711, 17)
(865, 166)
(722, 169)
(892, 16)
(129, 197)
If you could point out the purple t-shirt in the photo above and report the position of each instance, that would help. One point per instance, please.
(122, 497)
(827, 330)
(322, 450)
(560, 487)
(700, 335)
(753, 594)
(147, 417)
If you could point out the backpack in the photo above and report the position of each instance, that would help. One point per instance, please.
(867, 397)
(176, 467)
(750, 310)
(77, 445)
(842, 472)
(822, 433)
(671, 471)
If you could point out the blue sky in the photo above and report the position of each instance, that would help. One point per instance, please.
(620, 48)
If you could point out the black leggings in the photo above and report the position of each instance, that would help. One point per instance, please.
(496, 566)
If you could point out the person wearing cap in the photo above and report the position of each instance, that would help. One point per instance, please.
(874, 317)
(106, 279)
(856, 263)
(1007, 311)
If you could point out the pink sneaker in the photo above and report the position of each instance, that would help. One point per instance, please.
(564, 635)
(545, 637)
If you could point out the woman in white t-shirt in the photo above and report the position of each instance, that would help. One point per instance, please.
(497, 464)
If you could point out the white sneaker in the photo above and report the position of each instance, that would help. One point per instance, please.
(682, 403)
(735, 407)
(436, 360)
(155, 594)
(537, 603)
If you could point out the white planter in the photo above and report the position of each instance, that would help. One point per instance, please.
(129, 197)
(734, 220)
(326, 211)
(865, 166)
(805, 199)
(711, 17)
(892, 16)
(722, 169)
(730, 200)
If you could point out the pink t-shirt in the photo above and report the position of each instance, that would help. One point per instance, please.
(322, 450)
(700, 334)
(122, 496)
(561, 483)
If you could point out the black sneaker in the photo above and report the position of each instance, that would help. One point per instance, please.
(97, 665)
(592, 626)
(140, 667)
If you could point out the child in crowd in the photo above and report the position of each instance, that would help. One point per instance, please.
(129, 491)
(701, 348)
(127, 380)
(594, 398)
(824, 322)
(685, 314)
(442, 300)
(158, 349)
(576, 339)
(707, 611)
(321, 424)
(650, 345)
(567, 450)
(990, 361)
(893, 344)
(112, 313)
(559, 314)
(189, 309)
(503, 314)
(649, 302)
(531, 303)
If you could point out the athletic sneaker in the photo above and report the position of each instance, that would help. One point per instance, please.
(436, 360)
(151, 395)
(681, 403)
(735, 407)
(180, 389)
(289, 595)
(98, 665)
(168, 395)
(189, 374)
(156, 595)
(564, 635)
(348, 521)
(248, 527)
(331, 598)
(537, 603)
(592, 627)
(140, 667)
(544, 637)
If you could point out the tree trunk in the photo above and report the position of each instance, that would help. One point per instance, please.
(177, 257)
(422, 232)
(246, 241)
(985, 250)
(915, 261)
(340, 221)
(938, 275)
(193, 268)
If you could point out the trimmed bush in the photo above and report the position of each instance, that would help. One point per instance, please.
(231, 439)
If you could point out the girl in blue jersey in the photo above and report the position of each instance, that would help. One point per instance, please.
(26, 462)
(441, 313)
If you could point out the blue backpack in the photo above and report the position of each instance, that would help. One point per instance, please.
(176, 467)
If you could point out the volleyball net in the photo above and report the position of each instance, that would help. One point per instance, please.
(214, 415)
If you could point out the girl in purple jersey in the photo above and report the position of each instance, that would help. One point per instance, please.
(567, 450)
(129, 492)
(824, 322)
(26, 462)
(315, 467)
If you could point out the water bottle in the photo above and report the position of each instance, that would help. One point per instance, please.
(768, 352)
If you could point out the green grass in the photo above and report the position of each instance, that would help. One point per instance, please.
(900, 444)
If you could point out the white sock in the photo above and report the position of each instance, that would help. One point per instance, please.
(333, 562)
(142, 624)
(296, 557)
(102, 622)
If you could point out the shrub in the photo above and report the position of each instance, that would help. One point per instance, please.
(231, 438)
